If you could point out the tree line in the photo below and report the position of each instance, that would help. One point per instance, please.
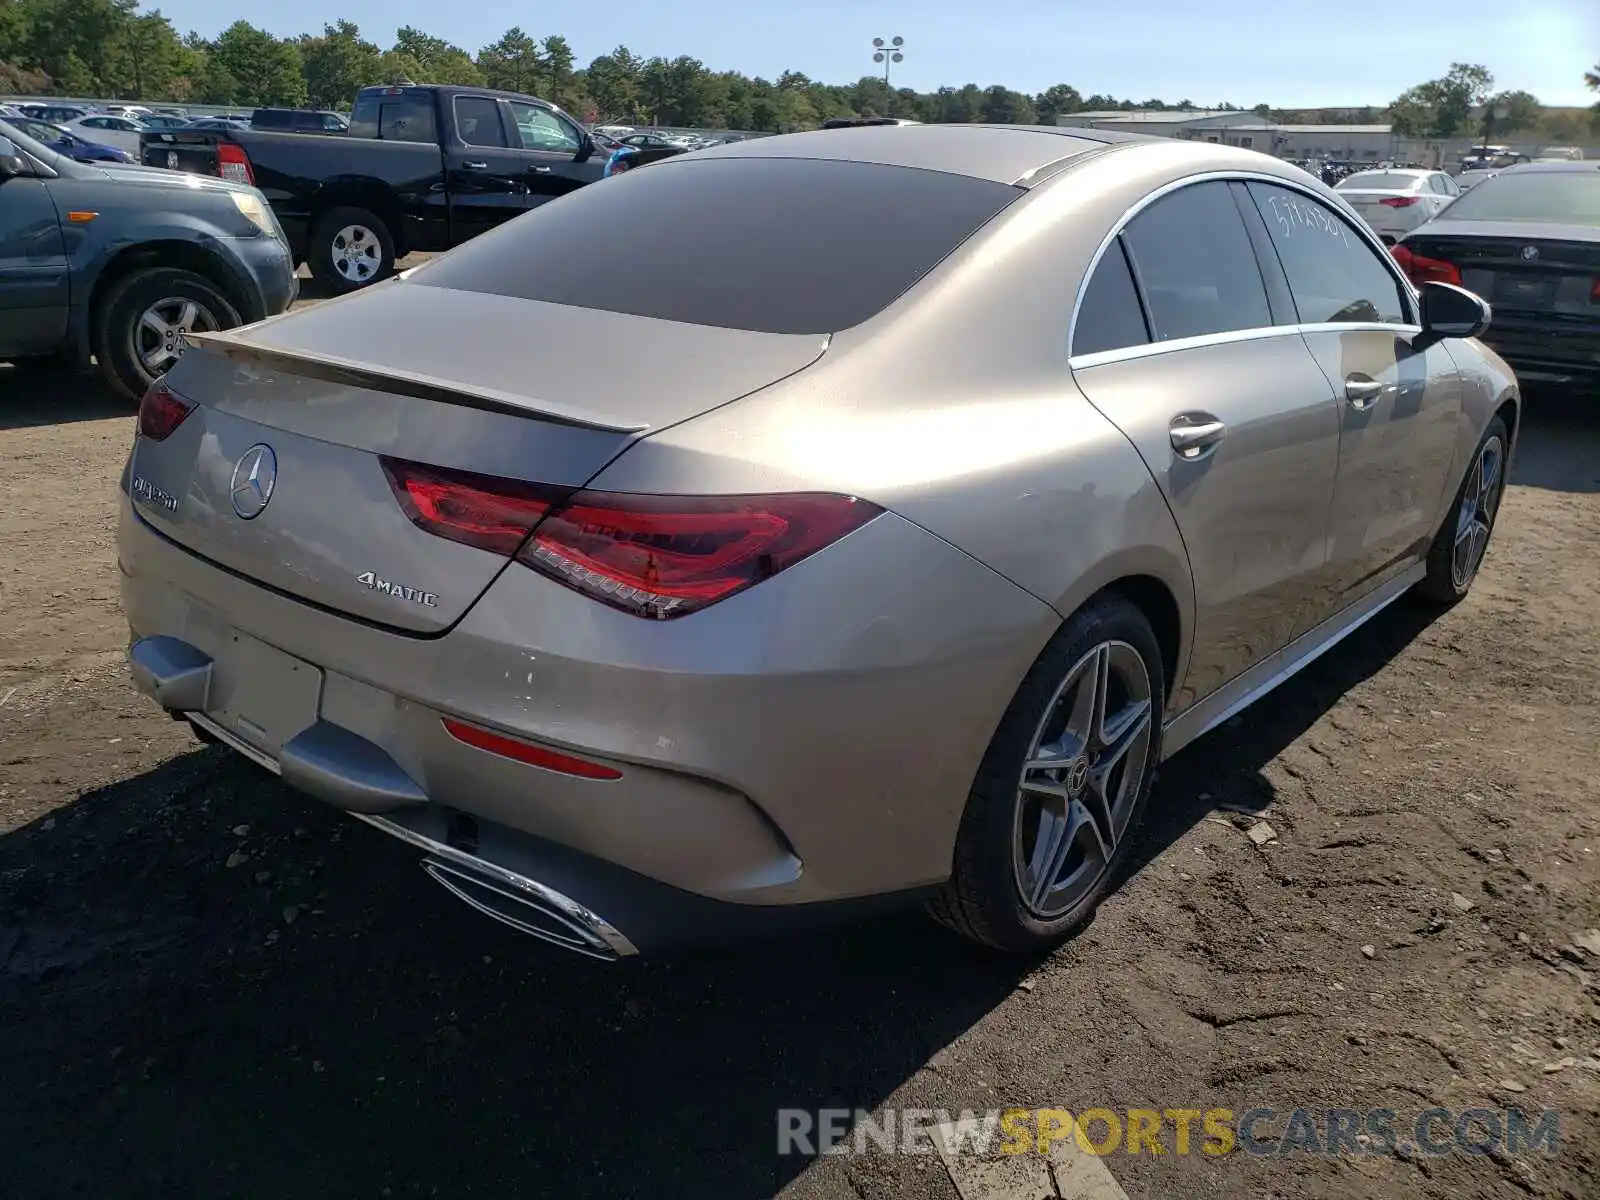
(112, 49)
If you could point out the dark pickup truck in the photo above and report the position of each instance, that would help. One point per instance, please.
(421, 168)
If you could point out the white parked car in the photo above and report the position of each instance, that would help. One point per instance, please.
(108, 130)
(1396, 201)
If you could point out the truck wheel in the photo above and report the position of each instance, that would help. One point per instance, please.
(350, 248)
(138, 327)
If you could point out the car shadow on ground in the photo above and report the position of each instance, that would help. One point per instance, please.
(216, 986)
(50, 393)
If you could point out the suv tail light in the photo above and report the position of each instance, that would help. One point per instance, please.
(651, 556)
(233, 163)
(1398, 201)
(161, 411)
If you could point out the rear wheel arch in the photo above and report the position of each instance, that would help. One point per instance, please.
(1155, 600)
(1158, 584)
(376, 198)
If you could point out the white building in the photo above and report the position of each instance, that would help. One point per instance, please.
(1362, 143)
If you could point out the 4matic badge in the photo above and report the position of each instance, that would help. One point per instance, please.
(399, 591)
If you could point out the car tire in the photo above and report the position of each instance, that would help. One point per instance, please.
(129, 360)
(1463, 540)
(350, 249)
(1016, 813)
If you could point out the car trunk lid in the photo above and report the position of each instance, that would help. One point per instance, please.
(511, 389)
(1519, 268)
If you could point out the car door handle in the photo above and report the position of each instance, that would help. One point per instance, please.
(475, 166)
(541, 170)
(1194, 434)
(1362, 392)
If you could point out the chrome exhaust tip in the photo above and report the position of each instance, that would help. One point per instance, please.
(530, 908)
(526, 905)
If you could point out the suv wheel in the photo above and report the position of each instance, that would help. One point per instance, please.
(138, 332)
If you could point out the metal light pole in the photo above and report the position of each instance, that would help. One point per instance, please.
(886, 54)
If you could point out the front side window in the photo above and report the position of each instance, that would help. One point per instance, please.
(1334, 273)
(541, 129)
(1193, 258)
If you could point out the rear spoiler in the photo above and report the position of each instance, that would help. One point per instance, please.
(350, 373)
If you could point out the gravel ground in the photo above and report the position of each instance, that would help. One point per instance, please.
(210, 986)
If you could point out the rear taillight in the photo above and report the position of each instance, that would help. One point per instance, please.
(485, 511)
(1423, 269)
(666, 556)
(651, 556)
(1398, 201)
(1594, 291)
(233, 163)
(161, 411)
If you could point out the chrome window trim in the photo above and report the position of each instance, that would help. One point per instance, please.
(1100, 358)
(1360, 227)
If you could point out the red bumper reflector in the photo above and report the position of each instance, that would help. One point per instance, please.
(525, 752)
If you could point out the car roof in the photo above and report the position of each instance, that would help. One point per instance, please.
(1529, 168)
(1009, 154)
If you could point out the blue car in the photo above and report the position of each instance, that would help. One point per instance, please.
(67, 144)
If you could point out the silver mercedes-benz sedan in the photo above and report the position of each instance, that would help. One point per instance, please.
(943, 481)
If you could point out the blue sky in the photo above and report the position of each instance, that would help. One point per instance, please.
(1291, 53)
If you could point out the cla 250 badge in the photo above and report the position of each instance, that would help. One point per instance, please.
(399, 591)
(143, 489)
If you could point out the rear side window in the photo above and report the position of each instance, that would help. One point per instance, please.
(478, 121)
(752, 247)
(1193, 256)
(1334, 274)
(1110, 317)
(407, 117)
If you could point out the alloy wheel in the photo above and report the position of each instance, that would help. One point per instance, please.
(156, 339)
(1480, 500)
(1081, 779)
(357, 254)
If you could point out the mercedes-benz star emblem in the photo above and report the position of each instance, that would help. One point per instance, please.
(253, 480)
(1078, 775)
(1529, 253)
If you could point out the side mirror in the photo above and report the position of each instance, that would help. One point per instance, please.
(1449, 311)
(12, 162)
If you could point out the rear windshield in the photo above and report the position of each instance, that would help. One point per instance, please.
(772, 245)
(1385, 180)
(1547, 197)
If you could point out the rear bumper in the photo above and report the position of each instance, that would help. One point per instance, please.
(1548, 354)
(784, 753)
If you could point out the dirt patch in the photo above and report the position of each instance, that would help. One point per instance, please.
(212, 986)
